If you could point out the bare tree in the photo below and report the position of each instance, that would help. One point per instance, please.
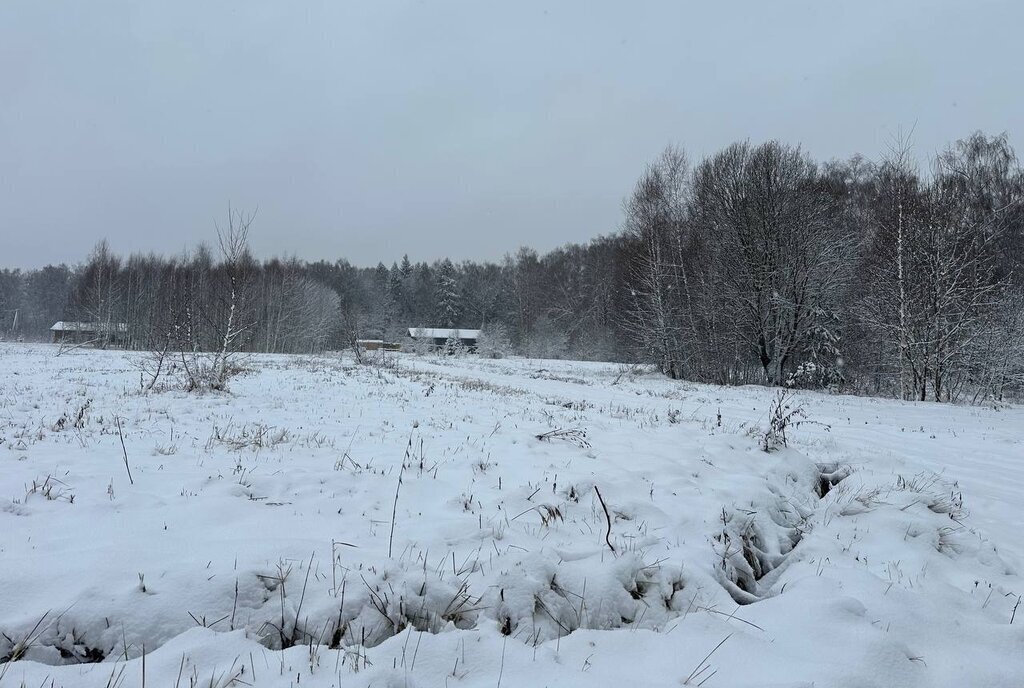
(937, 290)
(655, 217)
(779, 249)
(233, 241)
(898, 207)
(101, 295)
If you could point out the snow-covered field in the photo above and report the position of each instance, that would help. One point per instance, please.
(327, 524)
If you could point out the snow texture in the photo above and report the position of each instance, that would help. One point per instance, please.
(459, 521)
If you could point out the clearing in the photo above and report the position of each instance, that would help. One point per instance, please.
(467, 522)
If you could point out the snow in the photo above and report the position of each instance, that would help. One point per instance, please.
(264, 517)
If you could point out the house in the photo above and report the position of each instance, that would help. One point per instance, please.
(377, 345)
(438, 337)
(102, 334)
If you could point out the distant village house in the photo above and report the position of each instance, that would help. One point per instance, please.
(439, 337)
(99, 334)
(377, 345)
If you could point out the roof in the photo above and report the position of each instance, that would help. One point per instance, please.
(443, 333)
(67, 326)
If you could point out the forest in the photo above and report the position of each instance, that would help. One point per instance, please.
(755, 265)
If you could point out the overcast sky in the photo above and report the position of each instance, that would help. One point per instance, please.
(370, 129)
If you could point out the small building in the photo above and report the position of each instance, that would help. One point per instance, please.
(377, 345)
(101, 334)
(438, 337)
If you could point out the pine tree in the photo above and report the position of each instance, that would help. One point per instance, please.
(447, 294)
(394, 305)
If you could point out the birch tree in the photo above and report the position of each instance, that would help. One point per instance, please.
(655, 216)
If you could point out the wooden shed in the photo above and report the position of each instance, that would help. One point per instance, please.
(438, 337)
(377, 345)
(101, 334)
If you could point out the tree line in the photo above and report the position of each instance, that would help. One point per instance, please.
(756, 265)
(760, 265)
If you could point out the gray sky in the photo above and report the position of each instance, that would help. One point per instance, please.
(370, 129)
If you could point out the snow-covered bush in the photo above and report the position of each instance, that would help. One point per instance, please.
(548, 339)
(190, 371)
(782, 415)
(785, 412)
(494, 341)
(417, 345)
(814, 375)
(453, 346)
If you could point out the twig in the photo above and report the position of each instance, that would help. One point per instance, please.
(731, 616)
(234, 606)
(394, 509)
(181, 668)
(125, 451)
(501, 669)
(703, 666)
(608, 535)
(303, 595)
(76, 346)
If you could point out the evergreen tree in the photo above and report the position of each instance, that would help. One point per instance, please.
(447, 293)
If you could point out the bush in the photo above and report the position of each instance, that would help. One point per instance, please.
(812, 375)
(494, 342)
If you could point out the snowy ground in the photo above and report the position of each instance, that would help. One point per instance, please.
(884, 547)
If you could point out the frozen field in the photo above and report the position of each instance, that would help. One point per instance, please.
(327, 524)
